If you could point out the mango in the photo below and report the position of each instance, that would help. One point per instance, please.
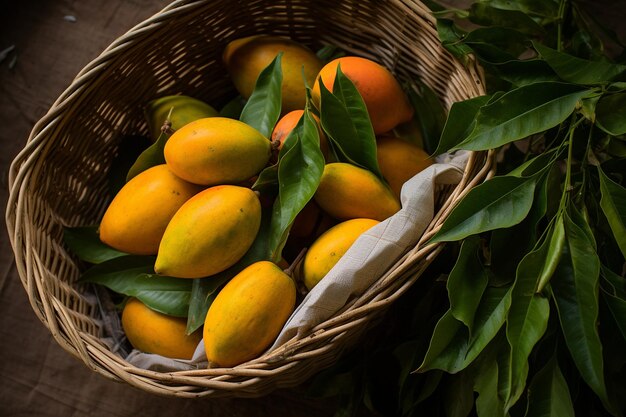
(153, 332)
(217, 150)
(399, 161)
(285, 125)
(185, 109)
(326, 251)
(248, 314)
(347, 192)
(136, 219)
(209, 233)
(245, 58)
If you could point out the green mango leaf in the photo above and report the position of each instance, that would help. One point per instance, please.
(613, 204)
(459, 395)
(129, 149)
(534, 165)
(467, 282)
(614, 294)
(451, 37)
(263, 108)
(267, 181)
(548, 393)
(549, 253)
(611, 114)
(133, 275)
(299, 173)
(497, 203)
(487, 383)
(575, 290)
(84, 242)
(233, 108)
(204, 290)
(486, 15)
(149, 158)
(527, 319)
(589, 105)
(522, 112)
(460, 122)
(577, 70)
(328, 53)
(522, 72)
(452, 348)
(429, 114)
(544, 8)
(346, 122)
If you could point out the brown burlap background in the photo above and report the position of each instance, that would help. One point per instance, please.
(53, 41)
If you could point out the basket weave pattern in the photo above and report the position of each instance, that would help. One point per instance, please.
(60, 177)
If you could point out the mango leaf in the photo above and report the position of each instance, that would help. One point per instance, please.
(329, 52)
(267, 181)
(263, 108)
(614, 294)
(429, 114)
(299, 173)
(611, 114)
(150, 157)
(522, 72)
(488, 383)
(527, 319)
(577, 70)
(575, 289)
(497, 44)
(233, 108)
(451, 37)
(613, 204)
(459, 395)
(522, 112)
(548, 393)
(133, 275)
(84, 242)
(347, 124)
(497, 203)
(204, 290)
(460, 122)
(486, 15)
(544, 8)
(452, 348)
(467, 282)
(549, 254)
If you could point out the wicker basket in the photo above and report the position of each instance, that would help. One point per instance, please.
(60, 177)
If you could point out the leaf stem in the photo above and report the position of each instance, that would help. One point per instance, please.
(567, 187)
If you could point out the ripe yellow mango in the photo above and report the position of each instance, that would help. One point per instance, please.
(209, 233)
(326, 251)
(185, 109)
(217, 150)
(245, 58)
(399, 161)
(153, 332)
(348, 192)
(248, 314)
(137, 217)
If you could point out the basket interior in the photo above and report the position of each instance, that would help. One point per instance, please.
(179, 52)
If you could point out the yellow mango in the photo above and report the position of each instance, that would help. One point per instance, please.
(399, 161)
(348, 192)
(248, 314)
(185, 109)
(245, 58)
(137, 217)
(217, 150)
(153, 332)
(327, 249)
(209, 233)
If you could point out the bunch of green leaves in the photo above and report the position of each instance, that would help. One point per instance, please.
(536, 300)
